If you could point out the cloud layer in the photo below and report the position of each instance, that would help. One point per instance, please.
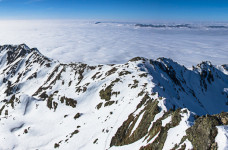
(104, 43)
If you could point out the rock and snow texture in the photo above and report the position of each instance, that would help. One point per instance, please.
(143, 104)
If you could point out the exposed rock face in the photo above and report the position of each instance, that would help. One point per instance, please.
(143, 104)
(125, 135)
(202, 134)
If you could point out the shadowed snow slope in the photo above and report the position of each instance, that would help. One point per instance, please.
(143, 104)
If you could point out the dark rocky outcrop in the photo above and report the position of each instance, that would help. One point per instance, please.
(202, 134)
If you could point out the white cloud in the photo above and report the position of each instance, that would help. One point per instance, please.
(74, 41)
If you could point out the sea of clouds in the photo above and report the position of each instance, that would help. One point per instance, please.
(112, 42)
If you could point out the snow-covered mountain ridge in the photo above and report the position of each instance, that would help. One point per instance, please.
(143, 104)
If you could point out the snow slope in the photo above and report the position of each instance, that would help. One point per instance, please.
(222, 137)
(147, 104)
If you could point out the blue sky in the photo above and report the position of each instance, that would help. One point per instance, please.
(194, 10)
